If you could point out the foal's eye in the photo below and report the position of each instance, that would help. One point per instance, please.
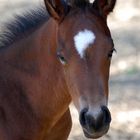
(61, 59)
(111, 52)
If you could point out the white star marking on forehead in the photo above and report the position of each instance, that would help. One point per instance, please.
(82, 41)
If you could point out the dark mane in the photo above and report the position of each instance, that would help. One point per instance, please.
(28, 21)
(21, 25)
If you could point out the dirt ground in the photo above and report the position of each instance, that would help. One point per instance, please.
(124, 100)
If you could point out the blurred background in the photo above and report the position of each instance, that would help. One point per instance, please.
(124, 98)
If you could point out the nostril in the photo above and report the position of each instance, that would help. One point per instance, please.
(83, 117)
(106, 114)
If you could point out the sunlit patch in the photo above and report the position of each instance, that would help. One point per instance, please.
(130, 116)
(82, 41)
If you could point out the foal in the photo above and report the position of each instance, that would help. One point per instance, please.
(45, 63)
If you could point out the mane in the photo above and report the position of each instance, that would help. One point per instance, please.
(29, 21)
(21, 24)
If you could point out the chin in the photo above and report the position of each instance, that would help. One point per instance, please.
(95, 135)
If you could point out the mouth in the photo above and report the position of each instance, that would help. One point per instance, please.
(95, 135)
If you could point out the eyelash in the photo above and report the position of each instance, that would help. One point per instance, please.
(111, 52)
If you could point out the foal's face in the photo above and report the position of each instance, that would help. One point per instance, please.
(85, 49)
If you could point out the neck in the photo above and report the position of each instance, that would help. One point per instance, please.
(39, 72)
(53, 94)
(58, 94)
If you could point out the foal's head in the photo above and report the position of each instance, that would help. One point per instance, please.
(85, 47)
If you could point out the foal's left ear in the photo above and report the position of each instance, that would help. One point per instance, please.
(104, 7)
(56, 8)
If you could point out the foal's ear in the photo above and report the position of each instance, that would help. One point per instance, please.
(104, 7)
(56, 8)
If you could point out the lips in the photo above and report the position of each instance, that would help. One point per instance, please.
(95, 135)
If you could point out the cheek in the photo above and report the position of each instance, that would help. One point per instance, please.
(70, 77)
(105, 69)
(70, 80)
(104, 76)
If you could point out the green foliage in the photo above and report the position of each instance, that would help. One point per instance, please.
(132, 70)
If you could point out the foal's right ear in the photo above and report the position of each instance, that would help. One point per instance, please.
(56, 8)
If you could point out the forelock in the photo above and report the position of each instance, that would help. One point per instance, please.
(78, 3)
